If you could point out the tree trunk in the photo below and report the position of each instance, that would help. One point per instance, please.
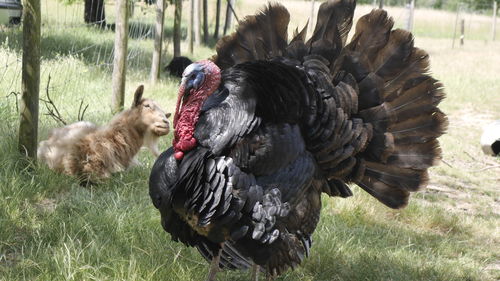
(120, 59)
(409, 19)
(190, 27)
(28, 125)
(94, 13)
(494, 25)
(196, 28)
(217, 19)
(205, 21)
(177, 28)
(155, 64)
(229, 16)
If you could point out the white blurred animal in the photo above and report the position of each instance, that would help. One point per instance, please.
(490, 140)
(93, 153)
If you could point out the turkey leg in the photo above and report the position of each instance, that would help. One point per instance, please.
(214, 265)
(255, 272)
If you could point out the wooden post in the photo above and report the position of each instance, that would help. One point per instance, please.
(217, 19)
(177, 28)
(311, 18)
(205, 21)
(494, 28)
(196, 29)
(381, 4)
(190, 27)
(28, 125)
(462, 32)
(229, 16)
(456, 25)
(409, 20)
(120, 59)
(155, 65)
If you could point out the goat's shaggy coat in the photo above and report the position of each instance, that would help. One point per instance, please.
(93, 153)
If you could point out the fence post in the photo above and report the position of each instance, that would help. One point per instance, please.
(456, 25)
(411, 8)
(462, 32)
(160, 16)
(494, 28)
(120, 59)
(217, 19)
(205, 21)
(196, 29)
(28, 125)
(177, 28)
(381, 4)
(229, 16)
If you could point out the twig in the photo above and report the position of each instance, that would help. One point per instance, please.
(447, 164)
(232, 10)
(472, 157)
(80, 112)
(486, 168)
(15, 94)
(51, 107)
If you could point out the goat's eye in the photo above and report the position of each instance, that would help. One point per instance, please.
(147, 105)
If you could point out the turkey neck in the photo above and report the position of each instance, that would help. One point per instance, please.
(187, 114)
(185, 121)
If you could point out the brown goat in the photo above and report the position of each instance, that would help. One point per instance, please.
(93, 153)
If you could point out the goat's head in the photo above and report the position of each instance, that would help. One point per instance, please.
(151, 117)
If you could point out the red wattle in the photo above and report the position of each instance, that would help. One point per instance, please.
(179, 155)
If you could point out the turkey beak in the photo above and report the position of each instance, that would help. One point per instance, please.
(181, 98)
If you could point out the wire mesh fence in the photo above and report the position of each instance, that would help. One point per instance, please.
(78, 57)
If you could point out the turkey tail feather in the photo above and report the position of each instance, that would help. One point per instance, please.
(333, 24)
(258, 37)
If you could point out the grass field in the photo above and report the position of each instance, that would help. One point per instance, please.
(53, 229)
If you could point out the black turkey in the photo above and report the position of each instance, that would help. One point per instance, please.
(266, 126)
(177, 65)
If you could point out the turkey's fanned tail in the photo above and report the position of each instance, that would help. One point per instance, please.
(373, 119)
(399, 99)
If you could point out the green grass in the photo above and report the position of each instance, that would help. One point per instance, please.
(53, 229)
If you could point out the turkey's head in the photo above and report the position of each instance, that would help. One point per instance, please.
(199, 81)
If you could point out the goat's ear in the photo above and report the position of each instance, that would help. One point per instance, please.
(168, 115)
(138, 96)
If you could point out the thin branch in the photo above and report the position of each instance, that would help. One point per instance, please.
(15, 94)
(81, 113)
(486, 168)
(51, 107)
(468, 154)
(232, 10)
(447, 164)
